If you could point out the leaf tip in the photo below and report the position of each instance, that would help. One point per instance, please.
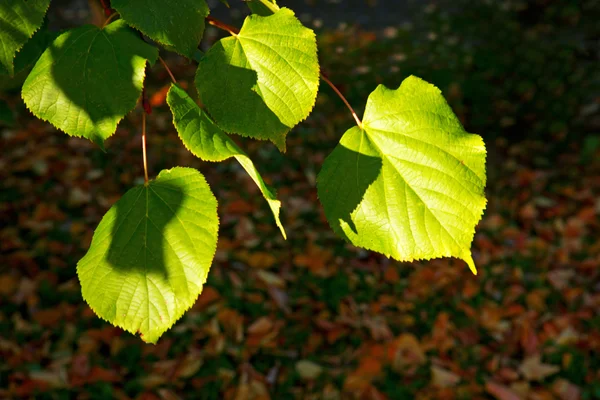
(468, 258)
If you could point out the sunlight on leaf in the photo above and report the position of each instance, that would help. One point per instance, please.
(410, 184)
(204, 139)
(151, 253)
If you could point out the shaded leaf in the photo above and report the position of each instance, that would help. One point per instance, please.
(263, 81)
(178, 24)
(88, 79)
(19, 19)
(151, 253)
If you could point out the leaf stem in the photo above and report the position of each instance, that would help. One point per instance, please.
(222, 25)
(144, 148)
(341, 96)
(110, 18)
(168, 69)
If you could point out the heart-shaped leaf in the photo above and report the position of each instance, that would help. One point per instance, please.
(409, 183)
(151, 253)
(262, 81)
(88, 79)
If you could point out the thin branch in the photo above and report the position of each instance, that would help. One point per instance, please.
(144, 148)
(167, 68)
(222, 25)
(336, 90)
(110, 18)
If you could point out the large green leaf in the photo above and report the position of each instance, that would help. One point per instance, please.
(264, 80)
(410, 183)
(205, 140)
(19, 19)
(178, 24)
(88, 79)
(151, 253)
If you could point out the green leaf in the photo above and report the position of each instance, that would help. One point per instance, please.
(410, 184)
(179, 24)
(26, 59)
(151, 253)
(263, 7)
(19, 19)
(262, 81)
(88, 79)
(207, 141)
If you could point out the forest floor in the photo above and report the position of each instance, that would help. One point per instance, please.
(313, 317)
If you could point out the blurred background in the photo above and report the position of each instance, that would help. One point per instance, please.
(313, 317)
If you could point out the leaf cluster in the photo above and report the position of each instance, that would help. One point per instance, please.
(407, 181)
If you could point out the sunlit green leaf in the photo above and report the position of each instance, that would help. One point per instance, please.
(88, 79)
(410, 183)
(262, 81)
(151, 253)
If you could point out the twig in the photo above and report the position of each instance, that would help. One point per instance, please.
(144, 148)
(336, 90)
(110, 18)
(167, 68)
(222, 25)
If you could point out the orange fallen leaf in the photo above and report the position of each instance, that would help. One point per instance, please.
(500, 392)
(261, 326)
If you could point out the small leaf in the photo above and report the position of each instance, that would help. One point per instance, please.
(151, 253)
(19, 19)
(88, 79)
(178, 24)
(205, 140)
(410, 184)
(263, 81)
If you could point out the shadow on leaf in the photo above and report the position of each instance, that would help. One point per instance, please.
(342, 183)
(224, 87)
